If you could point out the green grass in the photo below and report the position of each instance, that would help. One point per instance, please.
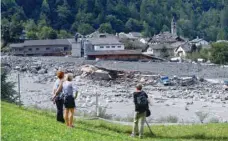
(24, 124)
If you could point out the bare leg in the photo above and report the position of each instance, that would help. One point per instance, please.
(71, 116)
(66, 116)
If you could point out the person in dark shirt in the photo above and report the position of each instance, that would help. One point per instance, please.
(141, 105)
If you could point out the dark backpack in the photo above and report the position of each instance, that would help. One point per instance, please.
(141, 101)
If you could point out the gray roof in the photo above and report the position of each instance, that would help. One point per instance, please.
(46, 42)
(97, 34)
(166, 37)
(186, 47)
(136, 34)
(105, 41)
(160, 46)
(19, 45)
(115, 52)
(41, 43)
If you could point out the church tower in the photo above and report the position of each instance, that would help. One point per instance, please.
(173, 27)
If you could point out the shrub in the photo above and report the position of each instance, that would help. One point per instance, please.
(168, 119)
(219, 53)
(7, 92)
(201, 115)
(214, 120)
(103, 114)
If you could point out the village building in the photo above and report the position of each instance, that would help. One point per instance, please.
(121, 55)
(183, 50)
(101, 43)
(135, 35)
(55, 47)
(165, 43)
(76, 47)
(199, 42)
(130, 35)
(144, 40)
(160, 50)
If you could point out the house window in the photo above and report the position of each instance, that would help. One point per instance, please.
(47, 48)
(113, 46)
(37, 49)
(30, 49)
(101, 46)
(107, 46)
(65, 48)
(119, 46)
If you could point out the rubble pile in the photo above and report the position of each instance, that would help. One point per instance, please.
(114, 85)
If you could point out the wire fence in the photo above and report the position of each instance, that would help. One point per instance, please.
(96, 112)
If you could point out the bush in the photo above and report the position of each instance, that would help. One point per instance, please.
(214, 120)
(203, 53)
(7, 92)
(168, 119)
(103, 114)
(201, 115)
(219, 53)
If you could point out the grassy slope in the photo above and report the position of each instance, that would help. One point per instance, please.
(21, 124)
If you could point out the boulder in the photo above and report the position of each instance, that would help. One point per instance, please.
(142, 80)
(101, 75)
(88, 69)
(17, 68)
(42, 71)
(33, 70)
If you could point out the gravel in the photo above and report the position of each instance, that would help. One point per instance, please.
(205, 93)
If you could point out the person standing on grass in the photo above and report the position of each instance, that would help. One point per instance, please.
(58, 97)
(69, 103)
(141, 106)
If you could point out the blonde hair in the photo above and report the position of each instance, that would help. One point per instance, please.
(69, 77)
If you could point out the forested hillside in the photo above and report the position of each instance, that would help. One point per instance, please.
(42, 19)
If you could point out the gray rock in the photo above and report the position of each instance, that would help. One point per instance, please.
(42, 71)
(33, 70)
(101, 75)
(17, 68)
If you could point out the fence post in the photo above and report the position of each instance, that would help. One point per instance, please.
(19, 93)
(97, 106)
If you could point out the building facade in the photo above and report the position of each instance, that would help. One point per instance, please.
(102, 43)
(55, 47)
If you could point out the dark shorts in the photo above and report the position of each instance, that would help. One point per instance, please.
(69, 102)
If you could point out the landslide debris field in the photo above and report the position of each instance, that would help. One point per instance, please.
(114, 82)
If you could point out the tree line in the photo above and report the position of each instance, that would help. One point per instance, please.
(43, 19)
